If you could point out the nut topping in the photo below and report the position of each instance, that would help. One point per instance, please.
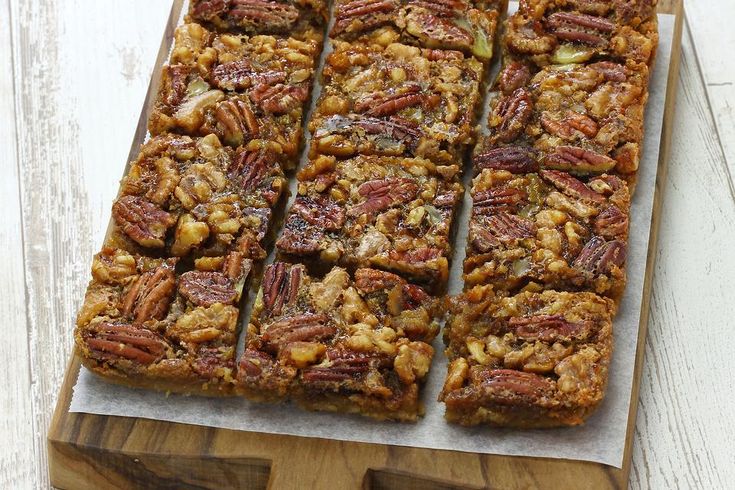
(495, 200)
(511, 115)
(514, 159)
(582, 28)
(321, 212)
(239, 75)
(598, 256)
(548, 328)
(514, 75)
(382, 194)
(207, 288)
(142, 220)
(236, 121)
(571, 186)
(268, 14)
(574, 159)
(279, 98)
(150, 295)
(371, 14)
(108, 341)
(568, 126)
(388, 106)
(510, 387)
(611, 223)
(209, 9)
(280, 286)
(345, 365)
(300, 328)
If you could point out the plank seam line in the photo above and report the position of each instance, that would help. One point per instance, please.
(708, 98)
(16, 106)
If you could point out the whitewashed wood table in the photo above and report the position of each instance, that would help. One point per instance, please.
(73, 75)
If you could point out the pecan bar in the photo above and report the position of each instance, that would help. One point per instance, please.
(301, 18)
(192, 198)
(527, 361)
(239, 88)
(396, 100)
(143, 324)
(583, 119)
(559, 32)
(388, 213)
(548, 230)
(468, 26)
(345, 343)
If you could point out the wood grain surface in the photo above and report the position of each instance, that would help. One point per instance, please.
(73, 76)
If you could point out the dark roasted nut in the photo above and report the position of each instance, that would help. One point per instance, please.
(514, 159)
(507, 386)
(582, 28)
(279, 98)
(249, 168)
(368, 14)
(209, 9)
(142, 220)
(549, 328)
(344, 365)
(372, 280)
(598, 256)
(254, 364)
(381, 194)
(496, 200)
(239, 75)
(173, 84)
(568, 126)
(210, 361)
(320, 211)
(611, 223)
(514, 75)
(400, 132)
(236, 121)
(207, 288)
(437, 27)
(300, 237)
(150, 296)
(511, 115)
(501, 227)
(389, 105)
(571, 186)
(300, 328)
(611, 72)
(108, 341)
(280, 286)
(268, 14)
(578, 160)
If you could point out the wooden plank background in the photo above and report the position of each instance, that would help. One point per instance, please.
(73, 75)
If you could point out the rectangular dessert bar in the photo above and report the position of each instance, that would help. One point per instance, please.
(583, 119)
(389, 213)
(396, 100)
(548, 230)
(237, 87)
(467, 26)
(533, 360)
(356, 343)
(145, 324)
(300, 18)
(559, 32)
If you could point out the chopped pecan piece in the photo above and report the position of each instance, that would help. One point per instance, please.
(280, 286)
(599, 256)
(548, 328)
(108, 341)
(142, 220)
(372, 280)
(150, 296)
(174, 83)
(514, 159)
(207, 288)
(382, 194)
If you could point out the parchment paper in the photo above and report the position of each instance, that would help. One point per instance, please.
(601, 440)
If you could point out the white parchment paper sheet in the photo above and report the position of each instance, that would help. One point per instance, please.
(601, 440)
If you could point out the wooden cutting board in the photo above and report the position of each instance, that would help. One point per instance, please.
(93, 451)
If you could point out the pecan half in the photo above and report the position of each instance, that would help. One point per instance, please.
(496, 200)
(265, 14)
(513, 159)
(280, 286)
(599, 256)
(382, 194)
(570, 124)
(207, 288)
(514, 75)
(320, 211)
(511, 115)
(238, 75)
(501, 227)
(611, 72)
(142, 220)
(254, 364)
(109, 341)
(386, 106)
(150, 295)
(344, 365)
(611, 223)
(249, 168)
(210, 361)
(571, 186)
(173, 84)
(581, 28)
(437, 27)
(398, 131)
(510, 387)
(236, 121)
(279, 98)
(369, 13)
(209, 9)
(371, 280)
(548, 328)
(299, 328)
(575, 159)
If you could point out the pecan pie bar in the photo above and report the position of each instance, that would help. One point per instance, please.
(239, 88)
(388, 213)
(347, 343)
(193, 198)
(548, 230)
(468, 26)
(559, 32)
(144, 324)
(533, 360)
(396, 100)
(583, 119)
(301, 18)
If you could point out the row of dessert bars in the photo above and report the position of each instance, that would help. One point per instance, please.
(530, 340)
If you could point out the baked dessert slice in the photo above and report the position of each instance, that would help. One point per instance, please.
(192, 198)
(548, 230)
(583, 119)
(533, 360)
(467, 26)
(389, 213)
(560, 32)
(237, 87)
(396, 100)
(144, 324)
(300, 18)
(344, 343)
